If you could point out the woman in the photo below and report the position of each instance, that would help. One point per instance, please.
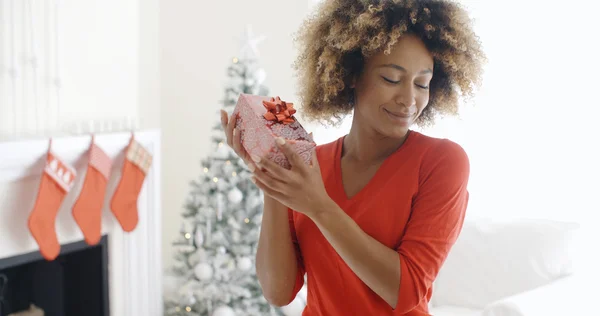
(373, 218)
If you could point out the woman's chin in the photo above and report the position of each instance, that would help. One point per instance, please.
(398, 132)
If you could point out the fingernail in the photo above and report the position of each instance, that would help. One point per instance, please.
(251, 167)
(235, 129)
(252, 179)
(280, 141)
(255, 158)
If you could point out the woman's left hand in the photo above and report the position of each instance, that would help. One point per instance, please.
(300, 188)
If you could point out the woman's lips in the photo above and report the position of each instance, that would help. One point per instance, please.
(398, 116)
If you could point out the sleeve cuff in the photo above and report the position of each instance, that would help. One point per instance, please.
(299, 283)
(407, 298)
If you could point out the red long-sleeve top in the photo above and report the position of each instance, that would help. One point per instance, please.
(414, 204)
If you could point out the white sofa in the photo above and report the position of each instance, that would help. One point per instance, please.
(510, 268)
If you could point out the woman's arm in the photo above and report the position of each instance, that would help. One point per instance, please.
(374, 263)
(277, 267)
(276, 262)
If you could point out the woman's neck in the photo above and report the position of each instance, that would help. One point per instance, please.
(366, 145)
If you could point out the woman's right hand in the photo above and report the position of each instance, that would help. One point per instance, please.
(234, 137)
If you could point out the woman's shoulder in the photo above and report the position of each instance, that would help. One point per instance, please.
(442, 159)
(434, 150)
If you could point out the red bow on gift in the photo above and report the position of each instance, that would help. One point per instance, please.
(279, 111)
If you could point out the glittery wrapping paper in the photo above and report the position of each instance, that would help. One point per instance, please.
(258, 134)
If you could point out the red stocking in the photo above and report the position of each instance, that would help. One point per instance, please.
(135, 167)
(57, 180)
(87, 211)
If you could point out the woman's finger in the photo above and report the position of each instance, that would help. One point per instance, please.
(237, 143)
(276, 171)
(289, 153)
(239, 147)
(223, 119)
(273, 183)
(268, 191)
(229, 130)
(224, 124)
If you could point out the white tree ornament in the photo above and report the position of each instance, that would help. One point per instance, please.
(244, 264)
(235, 196)
(223, 311)
(203, 271)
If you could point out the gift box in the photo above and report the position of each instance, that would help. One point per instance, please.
(262, 119)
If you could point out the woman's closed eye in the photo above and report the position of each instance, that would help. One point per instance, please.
(390, 80)
(425, 87)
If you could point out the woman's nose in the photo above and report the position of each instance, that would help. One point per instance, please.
(405, 96)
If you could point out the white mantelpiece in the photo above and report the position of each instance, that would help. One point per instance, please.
(135, 268)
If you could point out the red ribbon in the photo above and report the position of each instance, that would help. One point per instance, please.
(279, 111)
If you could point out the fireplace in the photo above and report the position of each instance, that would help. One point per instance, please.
(75, 283)
(133, 285)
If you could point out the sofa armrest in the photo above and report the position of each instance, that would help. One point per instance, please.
(564, 296)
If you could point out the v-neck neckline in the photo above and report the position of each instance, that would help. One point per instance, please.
(375, 179)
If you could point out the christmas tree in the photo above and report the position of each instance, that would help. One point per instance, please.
(214, 260)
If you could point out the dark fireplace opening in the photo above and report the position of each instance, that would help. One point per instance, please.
(74, 284)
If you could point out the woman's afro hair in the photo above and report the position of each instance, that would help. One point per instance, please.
(338, 38)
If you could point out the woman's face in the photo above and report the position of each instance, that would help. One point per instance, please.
(393, 89)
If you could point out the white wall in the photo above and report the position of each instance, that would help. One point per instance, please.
(149, 64)
(531, 134)
(106, 60)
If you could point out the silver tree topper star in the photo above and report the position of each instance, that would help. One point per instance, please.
(250, 44)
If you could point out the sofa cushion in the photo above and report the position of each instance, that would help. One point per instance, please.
(454, 311)
(492, 260)
(556, 298)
